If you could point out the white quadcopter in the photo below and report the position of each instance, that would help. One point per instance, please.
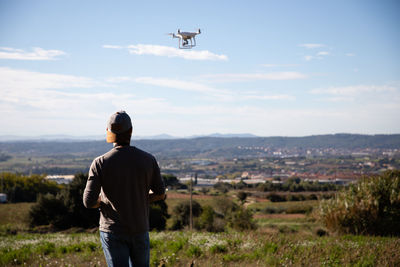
(187, 40)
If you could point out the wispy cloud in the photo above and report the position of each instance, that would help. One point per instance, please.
(223, 95)
(37, 53)
(323, 53)
(272, 76)
(166, 51)
(318, 55)
(308, 57)
(355, 90)
(16, 79)
(268, 97)
(279, 65)
(181, 85)
(350, 54)
(312, 46)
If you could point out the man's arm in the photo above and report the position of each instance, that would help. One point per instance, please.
(157, 185)
(91, 195)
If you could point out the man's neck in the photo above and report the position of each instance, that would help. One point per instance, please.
(121, 144)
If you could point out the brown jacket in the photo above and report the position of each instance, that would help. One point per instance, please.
(124, 176)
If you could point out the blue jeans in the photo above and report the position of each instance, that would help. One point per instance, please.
(126, 250)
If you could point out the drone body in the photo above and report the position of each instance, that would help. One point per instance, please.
(187, 40)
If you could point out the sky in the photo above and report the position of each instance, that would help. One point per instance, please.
(269, 68)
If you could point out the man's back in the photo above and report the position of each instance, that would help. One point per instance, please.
(125, 175)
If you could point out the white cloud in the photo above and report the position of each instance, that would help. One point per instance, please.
(272, 76)
(269, 97)
(166, 51)
(318, 55)
(323, 53)
(24, 80)
(33, 103)
(44, 103)
(36, 54)
(355, 90)
(181, 85)
(308, 57)
(113, 46)
(350, 54)
(279, 65)
(312, 46)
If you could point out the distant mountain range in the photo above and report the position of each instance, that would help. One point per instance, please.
(209, 147)
(7, 138)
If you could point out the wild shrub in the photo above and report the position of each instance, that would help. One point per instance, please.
(206, 219)
(371, 207)
(228, 213)
(49, 210)
(66, 209)
(181, 214)
(241, 195)
(222, 187)
(241, 219)
(79, 216)
(273, 197)
(158, 215)
(223, 206)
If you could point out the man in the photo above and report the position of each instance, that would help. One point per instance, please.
(119, 182)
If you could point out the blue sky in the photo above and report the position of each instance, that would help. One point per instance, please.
(289, 68)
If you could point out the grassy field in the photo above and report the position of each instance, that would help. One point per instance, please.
(280, 240)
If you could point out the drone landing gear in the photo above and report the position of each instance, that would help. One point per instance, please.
(184, 44)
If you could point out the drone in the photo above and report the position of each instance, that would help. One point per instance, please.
(187, 40)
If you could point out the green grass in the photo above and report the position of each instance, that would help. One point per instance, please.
(14, 216)
(277, 242)
(283, 207)
(208, 249)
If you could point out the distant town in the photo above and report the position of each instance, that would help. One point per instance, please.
(338, 159)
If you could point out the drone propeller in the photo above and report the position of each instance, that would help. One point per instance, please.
(172, 34)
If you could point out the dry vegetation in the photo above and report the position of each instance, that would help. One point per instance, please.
(284, 240)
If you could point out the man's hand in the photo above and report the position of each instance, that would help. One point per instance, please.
(154, 197)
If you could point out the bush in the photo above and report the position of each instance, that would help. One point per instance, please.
(66, 209)
(372, 207)
(276, 197)
(181, 214)
(241, 219)
(241, 195)
(158, 215)
(206, 219)
(222, 187)
(49, 210)
(223, 206)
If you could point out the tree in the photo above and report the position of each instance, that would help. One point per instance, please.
(181, 214)
(172, 181)
(72, 197)
(21, 188)
(241, 195)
